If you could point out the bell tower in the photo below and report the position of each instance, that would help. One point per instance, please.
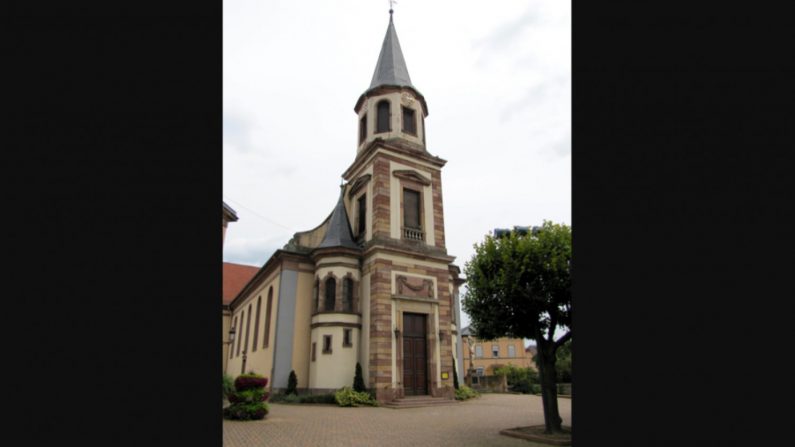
(393, 193)
(391, 109)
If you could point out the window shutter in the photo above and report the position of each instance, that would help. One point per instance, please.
(331, 285)
(411, 209)
(382, 124)
(362, 214)
(409, 122)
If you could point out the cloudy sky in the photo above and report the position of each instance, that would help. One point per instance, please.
(496, 76)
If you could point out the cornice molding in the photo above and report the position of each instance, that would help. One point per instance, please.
(358, 184)
(411, 175)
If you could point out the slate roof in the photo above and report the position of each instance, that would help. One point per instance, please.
(391, 67)
(338, 233)
(229, 214)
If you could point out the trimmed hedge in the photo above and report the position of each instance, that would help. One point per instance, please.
(250, 381)
(347, 397)
(304, 399)
(249, 398)
(465, 392)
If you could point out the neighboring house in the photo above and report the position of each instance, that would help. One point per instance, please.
(490, 354)
(229, 215)
(373, 283)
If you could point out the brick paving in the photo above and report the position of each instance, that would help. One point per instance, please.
(476, 422)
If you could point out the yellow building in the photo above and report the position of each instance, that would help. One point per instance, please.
(483, 356)
(373, 283)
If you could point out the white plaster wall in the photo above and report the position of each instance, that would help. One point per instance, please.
(337, 369)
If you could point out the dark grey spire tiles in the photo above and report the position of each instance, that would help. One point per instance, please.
(391, 67)
(338, 233)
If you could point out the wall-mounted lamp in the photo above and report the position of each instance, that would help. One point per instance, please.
(231, 336)
(397, 333)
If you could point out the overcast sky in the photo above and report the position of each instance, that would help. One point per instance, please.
(496, 77)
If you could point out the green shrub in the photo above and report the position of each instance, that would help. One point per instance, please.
(358, 380)
(464, 392)
(286, 399)
(292, 384)
(246, 411)
(229, 386)
(248, 399)
(317, 399)
(347, 397)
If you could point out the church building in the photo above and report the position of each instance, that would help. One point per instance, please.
(373, 283)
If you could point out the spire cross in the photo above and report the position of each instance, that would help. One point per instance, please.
(391, 2)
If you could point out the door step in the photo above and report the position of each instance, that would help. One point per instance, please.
(418, 402)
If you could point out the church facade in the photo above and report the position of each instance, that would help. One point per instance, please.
(372, 284)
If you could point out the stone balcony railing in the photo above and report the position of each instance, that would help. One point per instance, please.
(413, 234)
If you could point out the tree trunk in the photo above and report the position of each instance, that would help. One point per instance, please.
(549, 390)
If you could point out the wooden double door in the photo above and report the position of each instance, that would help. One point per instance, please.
(415, 354)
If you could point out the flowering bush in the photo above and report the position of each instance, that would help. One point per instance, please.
(250, 381)
(249, 398)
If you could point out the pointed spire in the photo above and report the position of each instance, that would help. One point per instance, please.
(338, 233)
(391, 67)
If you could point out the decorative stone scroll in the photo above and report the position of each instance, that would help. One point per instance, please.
(414, 287)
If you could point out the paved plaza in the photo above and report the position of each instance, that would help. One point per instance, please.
(476, 422)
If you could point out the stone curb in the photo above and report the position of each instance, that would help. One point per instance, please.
(514, 433)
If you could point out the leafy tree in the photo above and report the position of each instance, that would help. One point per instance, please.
(358, 380)
(563, 362)
(292, 384)
(519, 286)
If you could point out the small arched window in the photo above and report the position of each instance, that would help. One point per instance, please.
(240, 335)
(409, 121)
(316, 296)
(331, 286)
(256, 324)
(382, 117)
(347, 295)
(267, 336)
(363, 129)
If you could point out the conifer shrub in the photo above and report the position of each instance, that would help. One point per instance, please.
(248, 398)
(358, 380)
(455, 377)
(292, 384)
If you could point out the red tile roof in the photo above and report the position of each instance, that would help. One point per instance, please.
(235, 277)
